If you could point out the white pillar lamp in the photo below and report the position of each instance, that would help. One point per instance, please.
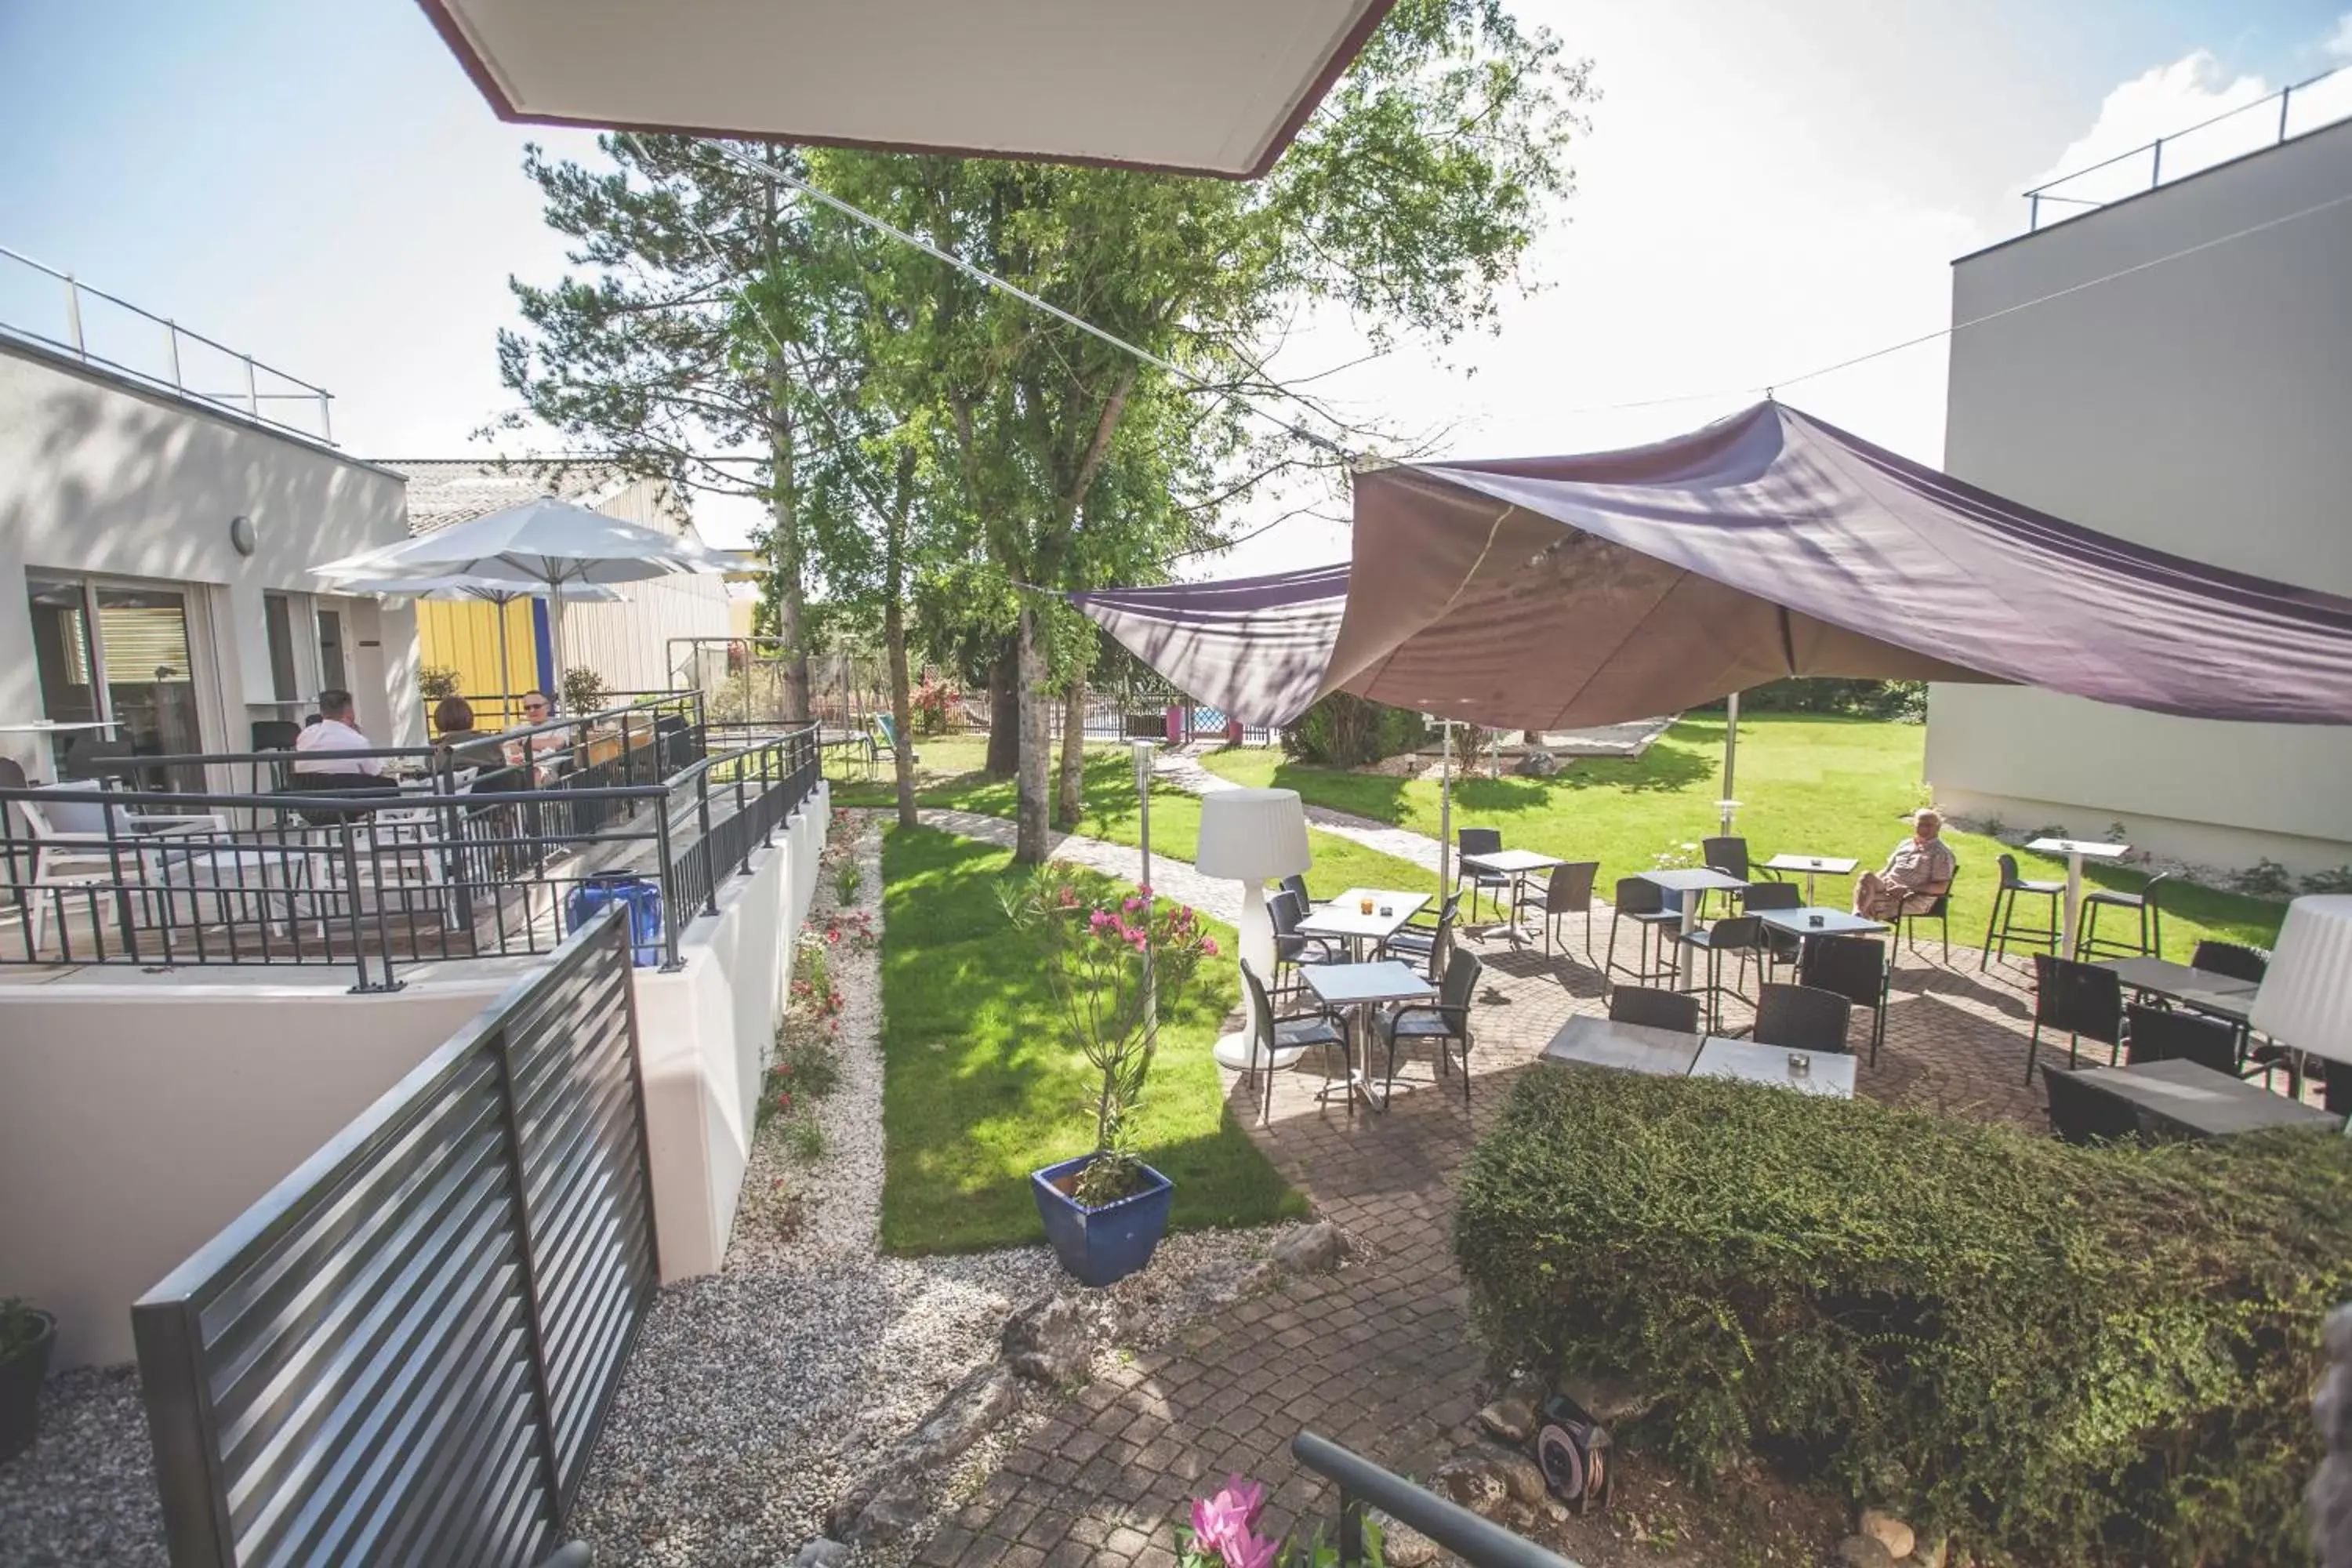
(2306, 1001)
(1252, 837)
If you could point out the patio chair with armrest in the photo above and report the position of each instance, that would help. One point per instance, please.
(1854, 967)
(1569, 891)
(1293, 947)
(1275, 1045)
(1296, 884)
(1481, 841)
(1940, 912)
(1644, 903)
(2169, 1034)
(2081, 1114)
(2080, 998)
(1425, 946)
(1444, 1022)
(2146, 906)
(1801, 1018)
(1654, 1009)
(2002, 928)
(82, 844)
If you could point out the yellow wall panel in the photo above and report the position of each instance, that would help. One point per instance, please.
(463, 635)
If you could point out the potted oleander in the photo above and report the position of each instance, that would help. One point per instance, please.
(26, 1336)
(1105, 959)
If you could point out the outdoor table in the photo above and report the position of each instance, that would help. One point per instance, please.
(1831, 1072)
(2225, 996)
(1344, 916)
(1594, 1042)
(1358, 987)
(1812, 866)
(1801, 924)
(1698, 879)
(2076, 851)
(1518, 864)
(2195, 1101)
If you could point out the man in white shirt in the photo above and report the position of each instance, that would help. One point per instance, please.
(315, 748)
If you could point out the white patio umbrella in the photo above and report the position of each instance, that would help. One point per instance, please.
(483, 590)
(544, 542)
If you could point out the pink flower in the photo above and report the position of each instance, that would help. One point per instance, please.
(1208, 947)
(832, 936)
(1216, 1523)
(1144, 888)
(1248, 1551)
(1100, 920)
(1131, 905)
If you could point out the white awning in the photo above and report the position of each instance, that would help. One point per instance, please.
(1210, 87)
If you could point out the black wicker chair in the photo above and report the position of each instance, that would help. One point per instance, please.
(2168, 1034)
(1676, 1010)
(2080, 998)
(1481, 841)
(1445, 1022)
(1801, 1018)
(1291, 1038)
(2232, 959)
(1425, 947)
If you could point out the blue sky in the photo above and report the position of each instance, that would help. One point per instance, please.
(320, 185)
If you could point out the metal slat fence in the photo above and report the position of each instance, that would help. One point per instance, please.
(402, 1353)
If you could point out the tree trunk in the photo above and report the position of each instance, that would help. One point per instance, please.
(1036, 749)
(894, 638)
(785, 548)
(1004, 711)
(1074, 755)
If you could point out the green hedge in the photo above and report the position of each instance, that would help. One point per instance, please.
(2062, 1353)
(1344, 731)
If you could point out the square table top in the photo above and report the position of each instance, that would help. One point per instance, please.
(1835, 922)
(1693, 880)
(1595, 1042)
(2085, 847)
(1344, 916)
(1512, 860)
(2200, 1100)
(1829, 865)
(1832, 1075)
(1347, 985)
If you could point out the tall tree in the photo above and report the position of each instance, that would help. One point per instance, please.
(698, 344)
(1409, 198)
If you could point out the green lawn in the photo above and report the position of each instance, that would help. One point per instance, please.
(1808, 784)
(980, 1086)
(950, 776)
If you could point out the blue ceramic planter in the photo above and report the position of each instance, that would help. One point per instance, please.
(1101, 1247)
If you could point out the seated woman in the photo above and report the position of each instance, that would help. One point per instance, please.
(456, 737)
(1920, 870)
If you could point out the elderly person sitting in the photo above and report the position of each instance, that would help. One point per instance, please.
(1919, 872)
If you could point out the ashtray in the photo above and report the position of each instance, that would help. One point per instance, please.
(1386, 910)
(1799, 1065)
(1812, 920)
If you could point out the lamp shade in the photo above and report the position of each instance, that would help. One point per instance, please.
(2307, 996)
(1252, 834)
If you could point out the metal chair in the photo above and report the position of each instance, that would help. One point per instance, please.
(1856, 968)
(1739, 934)
(2081, 1114)
(1643, 1005)
(1481, 841)
(1801, 1018)
(2002, 928)
(2080, 998)
(1275, 1045)
(1445, 1021)
(1644, 903)
(1296, 884)
(1940, 912)
(1728, 855)
(1425, 946)
(2148, 904)
(1291, 947)
(2232, 959)
(1777, 946)
(2168, 1034)
(1569, 892)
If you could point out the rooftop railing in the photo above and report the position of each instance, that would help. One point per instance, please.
(43, 305)
(2295, 109)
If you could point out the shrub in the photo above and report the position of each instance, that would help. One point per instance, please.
(1905, 701)
(584, 692)
(436, 682)
(1344, 731)
(2265, 879)
(2073, 1354)
(2339, 881)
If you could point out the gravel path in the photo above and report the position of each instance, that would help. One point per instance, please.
(84, 1495)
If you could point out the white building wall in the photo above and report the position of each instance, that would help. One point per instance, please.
(100, 476)
(2200, 406)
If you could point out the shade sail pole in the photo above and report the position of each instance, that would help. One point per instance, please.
(1730, 755)
(1445, 810)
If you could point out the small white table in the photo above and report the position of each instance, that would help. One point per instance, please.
(1344, 916)
(1687, 881)
(1831, 1073)
(1358, 986)
(1812, 866)
(2076, 851)
(1518, 864)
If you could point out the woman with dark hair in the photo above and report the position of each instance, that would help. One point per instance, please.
(453, 718)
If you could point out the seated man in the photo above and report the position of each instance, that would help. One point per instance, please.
(1920, 870)
(316, 749)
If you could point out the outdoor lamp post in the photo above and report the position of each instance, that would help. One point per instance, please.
(1142, 752)
(2306, 1001)
(1252, 835)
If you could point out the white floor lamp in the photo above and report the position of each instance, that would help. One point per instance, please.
(2306, 1001)
(1252, 837)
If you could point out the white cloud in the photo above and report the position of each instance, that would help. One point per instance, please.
(2339, 42)
(2166, 102)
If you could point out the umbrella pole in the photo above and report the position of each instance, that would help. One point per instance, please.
(1445, 810)
(555, 636)
(1730, 755)
(506, 675)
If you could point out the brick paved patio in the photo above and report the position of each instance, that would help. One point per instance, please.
(1376, 1357)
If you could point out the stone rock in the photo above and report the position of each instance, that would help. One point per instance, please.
(1472, 1478)
(1049, 1341)
(1511, 1419)
(1864, 1552)
(1314, 1250)
(1888, 1531)
(1538, 763)
(1929, 1553)
(1402, 1546)
(895, 1510)
(1522, 1477)
(1608, 1397)
(887, 1498)
(821, 1552)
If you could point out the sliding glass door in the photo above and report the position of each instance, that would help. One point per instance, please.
(120, 658)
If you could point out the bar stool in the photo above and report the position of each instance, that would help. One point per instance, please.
(1740, 935)
(2003, 929)
(1644, 903)
(2148, 903)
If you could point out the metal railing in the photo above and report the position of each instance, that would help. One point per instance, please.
(404, 1353)
(105, 329)
(501, 860)
(2248, 128)
(1476, 1540)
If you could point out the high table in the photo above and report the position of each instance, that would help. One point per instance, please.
(1344, 916)
(2195, 1101)
(2076, 851)
(1360, 986)
(1585, 1041)
(1518, 864)
(1813, 865)
(1689, 881)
